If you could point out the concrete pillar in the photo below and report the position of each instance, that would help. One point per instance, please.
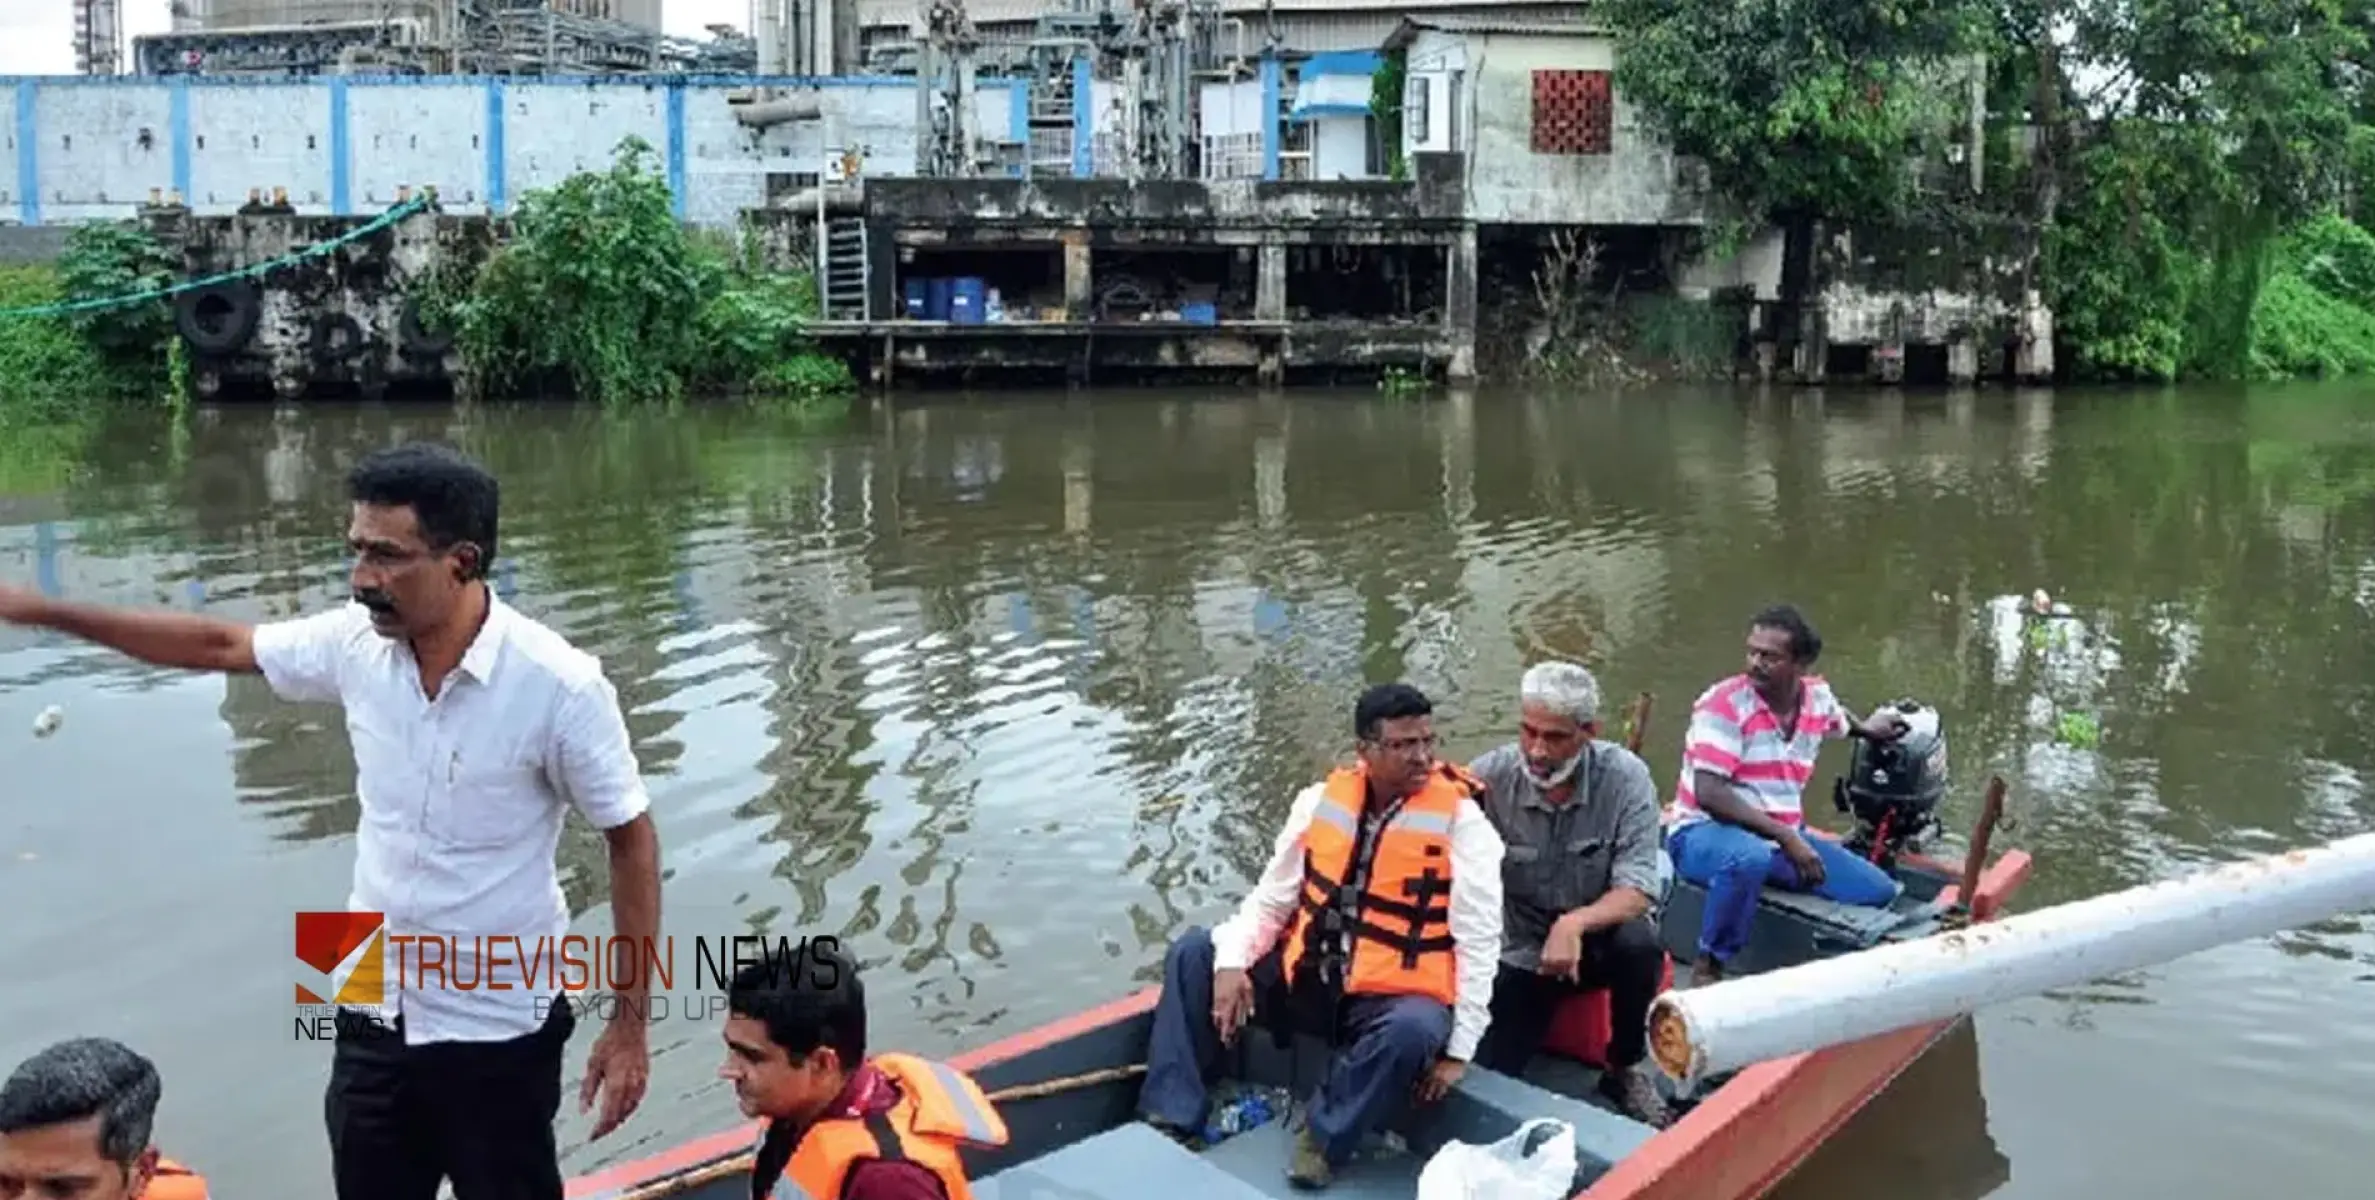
(1269, 304)
(1459, 304)
(1814, 343)
(1269, 289)
(1079, 289)
(2034, 361)
(1962, 359)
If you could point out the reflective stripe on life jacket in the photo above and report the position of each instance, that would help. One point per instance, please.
(938, 1109)
(1400, 922)
(174, 1181)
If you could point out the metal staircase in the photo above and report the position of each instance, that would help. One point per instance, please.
(841, 282)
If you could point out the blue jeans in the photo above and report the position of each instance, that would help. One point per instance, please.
(1734, 864)
(1384, 1044)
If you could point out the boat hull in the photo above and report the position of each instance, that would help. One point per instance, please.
(1763, 1123)
(1737, 1143)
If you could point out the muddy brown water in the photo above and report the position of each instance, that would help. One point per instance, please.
(1007, 690)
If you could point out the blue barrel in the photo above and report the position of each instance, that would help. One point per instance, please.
(965, 300)
(936, 307)
(918, 294)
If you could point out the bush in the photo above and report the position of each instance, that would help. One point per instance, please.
(48, 371)
(602, 288)
(65, 366)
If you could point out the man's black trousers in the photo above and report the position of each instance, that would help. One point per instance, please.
(404, 1118)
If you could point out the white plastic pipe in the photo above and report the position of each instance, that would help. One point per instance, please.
(1733, 1023)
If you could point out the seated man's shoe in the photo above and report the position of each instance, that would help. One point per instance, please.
(1636, 1095)
(1310, 1170)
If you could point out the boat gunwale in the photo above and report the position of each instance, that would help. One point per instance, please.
(708, 1150)
(1629, 1176)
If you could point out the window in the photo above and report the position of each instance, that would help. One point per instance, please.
(1572, 112)
(1416, 91)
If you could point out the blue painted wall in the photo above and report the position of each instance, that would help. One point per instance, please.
(90, 148)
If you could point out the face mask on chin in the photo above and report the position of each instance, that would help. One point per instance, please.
(1565, 772)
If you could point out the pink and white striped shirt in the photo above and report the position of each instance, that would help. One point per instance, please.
(1734, 735)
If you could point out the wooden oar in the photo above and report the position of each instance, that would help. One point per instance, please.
(1637, 722)
(1990, 812)
(741, 1164)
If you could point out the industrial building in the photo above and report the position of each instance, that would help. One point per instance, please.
(1214, 173)
(297, 38)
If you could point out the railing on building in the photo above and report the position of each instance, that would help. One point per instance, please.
(1233, 156)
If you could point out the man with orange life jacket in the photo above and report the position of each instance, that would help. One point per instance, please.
(840, 1125)
(1377, 925)
(75, 1121)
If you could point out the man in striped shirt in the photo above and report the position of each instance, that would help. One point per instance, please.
(1738, 812)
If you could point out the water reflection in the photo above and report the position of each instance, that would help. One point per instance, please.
(1926, 1136)
(1007, 693)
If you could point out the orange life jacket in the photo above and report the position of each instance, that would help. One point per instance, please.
(174, 1181)
(938, 1109)
(1400, 921)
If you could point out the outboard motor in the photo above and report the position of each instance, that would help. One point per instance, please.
(1892, 788)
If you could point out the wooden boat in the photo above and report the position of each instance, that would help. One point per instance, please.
(1068, 1090)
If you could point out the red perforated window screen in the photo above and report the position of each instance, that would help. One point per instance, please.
(1572, 112)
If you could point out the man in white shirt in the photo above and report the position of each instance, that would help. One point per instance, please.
(474, 729)
(1377, 925)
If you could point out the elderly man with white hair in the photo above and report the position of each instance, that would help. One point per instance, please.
(1579, 817)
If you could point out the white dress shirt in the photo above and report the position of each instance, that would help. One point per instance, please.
(463, 798)
(1475, 911)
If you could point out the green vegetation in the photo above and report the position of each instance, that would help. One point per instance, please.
(1805, 115)
(1579, 334)
(1385, 104)
(62, 374)
(2078, 730)
(2185, 174)
(602, 291)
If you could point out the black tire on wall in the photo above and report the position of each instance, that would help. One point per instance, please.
(219, 318)
(337, 338)
(417, 339)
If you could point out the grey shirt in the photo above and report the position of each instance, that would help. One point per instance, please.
(1564, 857)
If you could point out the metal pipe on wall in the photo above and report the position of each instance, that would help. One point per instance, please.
(791, 106)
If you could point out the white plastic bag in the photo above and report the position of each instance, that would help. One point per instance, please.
(1503, 1170)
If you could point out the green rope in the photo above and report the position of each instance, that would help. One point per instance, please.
(257, 271)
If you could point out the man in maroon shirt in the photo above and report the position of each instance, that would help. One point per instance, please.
(796, 1054)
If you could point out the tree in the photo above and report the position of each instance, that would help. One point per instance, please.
(1804, 111)
(2185, 138)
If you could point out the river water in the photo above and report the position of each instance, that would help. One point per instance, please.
(1006, 691)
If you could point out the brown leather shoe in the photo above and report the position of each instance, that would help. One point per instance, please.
(1310, 1170)
(1636, 1095)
